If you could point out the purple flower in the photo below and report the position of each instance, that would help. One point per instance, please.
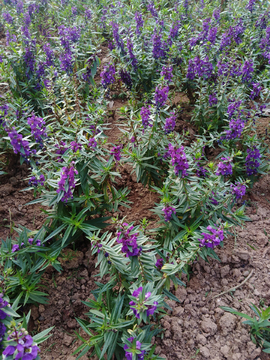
(128, 354)
(49, 55)
(61, 149)
(68, 35)
(178, 160)
(201, 68)
(250, 6)
(7, 17)
(224, 167)
(92, 143)
(139, 305)
(168, 212)
(2, 332)
(128, 241)
(151, 308)
(67, 182)
(159, 263)
(256, 90)
(252, 161)
(126, 78)
(238, 190)
(20, 146)
(3, 304)
(247, 71)
(160, 48)
(145, 115)
(66, 62)
(132, 57)
(174, 29)
(4, 109)
(152, 9)
(139, 22)
(107, 75)
(236, 128)
(118, 40)
(167, 73)
(213, 238)
(170, 123)
(116, 152)
(216, 14)
(26, 350)
(201, 171)
(88, 14)
(212, 35)
(212, 100)
(29, 59)
(161, 96)
(38, 128)
(33, 181)
(75, 146)
(74, 11)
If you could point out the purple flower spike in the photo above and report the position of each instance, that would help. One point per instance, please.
(159, 264)
(252, 161)
(213, 239)
(238, 190)
(161, 96)
(129, 242)
(145, 115)
(224, 167)
(116, 152)
(168, 212)
(178, 160)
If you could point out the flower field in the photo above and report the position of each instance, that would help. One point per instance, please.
(134, 143)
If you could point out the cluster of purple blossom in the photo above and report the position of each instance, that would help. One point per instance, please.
(159, 263)
(126, 78)
(224, 167)
(25, 349)
(67, 182)
(4, 109)
(208, 34)
(138, 306)
(132, 57)
(128, 241)
(213, 238)
(75, 146)
(200, 170)
(33, 181)
(160, 47)
(92, 143)
(128, 354)
(61, 148)
(3, 315)
(107, 75)
(200, 68)
(178, 160)
(168, 212)
(145, 115)
(38, 128)
(161, 96)
(252, 161)
(116, 152)
(20, 146)
(167, 73)
(139, 22)
(17, 247)
(170, 123)
(238, 189)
